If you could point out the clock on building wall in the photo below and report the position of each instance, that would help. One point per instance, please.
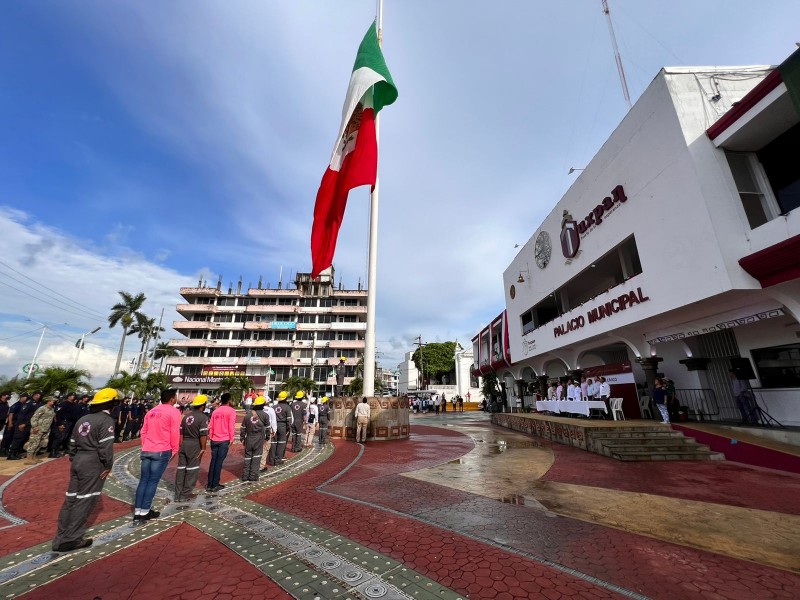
(542, 249)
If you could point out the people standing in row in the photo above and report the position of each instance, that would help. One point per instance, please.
(221, 432)
(4, 407)
(20, 417)
(460, 404)
(41, 423)
(161, 434)
(91, 452)
(254, 430)
(298, 419)
(193, 440)
(269, 444)
(283, 416)
(362, 414)
(311, 423)
(324, 417)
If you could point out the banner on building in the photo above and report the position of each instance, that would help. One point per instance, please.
(224, 370)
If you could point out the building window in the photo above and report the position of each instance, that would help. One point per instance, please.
(346, 336)
(779, 159)
(286, 302)
(779, 366)
(753, 187)
(226, 301)
(325, 302)
(198, 335)
(265, 301)
(348, 319)
(306, 318)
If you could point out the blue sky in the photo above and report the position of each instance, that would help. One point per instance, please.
(147, 144)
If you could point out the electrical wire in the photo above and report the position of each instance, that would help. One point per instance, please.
(31, 295)
(41, 285)
(19, 335)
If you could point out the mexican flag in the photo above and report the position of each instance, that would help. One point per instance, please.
(355, 155)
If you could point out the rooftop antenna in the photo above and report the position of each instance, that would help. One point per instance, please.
(617, 57)
(280, 278)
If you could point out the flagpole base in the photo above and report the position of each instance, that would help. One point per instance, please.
(388, 418)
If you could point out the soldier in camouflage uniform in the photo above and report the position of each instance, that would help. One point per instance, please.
(91, 452)
(41, 422)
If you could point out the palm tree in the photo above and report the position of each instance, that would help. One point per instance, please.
(58, 379)
(161, 351)
(127, 383)
(236, 386)
(356, 386)
(125, 313)
(292, 385)
(147, 330)
(155, 383)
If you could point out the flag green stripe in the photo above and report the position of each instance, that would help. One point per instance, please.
(370, 56)
(790, 73)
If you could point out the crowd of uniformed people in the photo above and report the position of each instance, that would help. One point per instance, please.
(85, 428)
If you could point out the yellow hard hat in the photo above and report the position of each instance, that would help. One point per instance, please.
(324, 399)
(103, 396)
(199, 400)
(299, 395)
(342, 358)
(283, 396)
(260, 401)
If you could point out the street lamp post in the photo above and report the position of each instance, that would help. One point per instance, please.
(36, 354)
(80, 344)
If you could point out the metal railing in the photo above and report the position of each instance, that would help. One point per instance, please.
(702, 403)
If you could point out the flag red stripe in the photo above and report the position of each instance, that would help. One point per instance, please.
(359, 167)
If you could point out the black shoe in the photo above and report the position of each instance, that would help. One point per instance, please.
(218, 488)
(76, 545)
(153, 514)
(14, 457)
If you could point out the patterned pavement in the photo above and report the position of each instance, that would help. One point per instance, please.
(344, 521)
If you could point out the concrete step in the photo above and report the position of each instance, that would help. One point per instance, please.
(648, 442)
(670, 456)
(663, 449)
(634, 434)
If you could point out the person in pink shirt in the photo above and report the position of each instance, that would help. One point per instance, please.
(221, 432)
(161, 434)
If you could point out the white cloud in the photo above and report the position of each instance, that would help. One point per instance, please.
(82, 281)
(7, 354)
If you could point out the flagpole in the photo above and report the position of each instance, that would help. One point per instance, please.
(372, 269)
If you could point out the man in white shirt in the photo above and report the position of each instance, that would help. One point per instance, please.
(559, 391)
(605, 394)
(571, 390)
(594, 388)
(362, 420)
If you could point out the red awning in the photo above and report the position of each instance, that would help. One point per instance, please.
(775, 264)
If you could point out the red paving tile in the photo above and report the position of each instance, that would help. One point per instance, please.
(181, 562)
(638, 563)
(36, 496)
(418, 545)
(721, 482)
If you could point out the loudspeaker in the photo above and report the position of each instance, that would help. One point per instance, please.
(742, 368)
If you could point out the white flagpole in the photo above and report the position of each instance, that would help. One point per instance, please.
(372, 270)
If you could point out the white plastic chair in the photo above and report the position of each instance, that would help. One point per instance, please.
(616, 407)
(644, 406)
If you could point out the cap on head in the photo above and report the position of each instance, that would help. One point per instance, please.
(324, 399)
(199, 400)
(103, 396)
(299, 395)
(283, 396)
(260, 401)
(24, 395)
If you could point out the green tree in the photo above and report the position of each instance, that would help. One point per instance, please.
(491, 387)
(129, 384)
(161, 351)
(57, 379)
(125, 313)
(155, 383)
(356, 386)
(235, 386)
(9, 386)
(435, 359)
(292, 385)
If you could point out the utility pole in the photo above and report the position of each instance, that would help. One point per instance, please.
(420, 344)
(617, 58)
(32, 366)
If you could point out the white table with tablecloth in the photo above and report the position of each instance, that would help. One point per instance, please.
(579, 407)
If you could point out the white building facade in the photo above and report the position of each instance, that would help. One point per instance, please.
(676, 251)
